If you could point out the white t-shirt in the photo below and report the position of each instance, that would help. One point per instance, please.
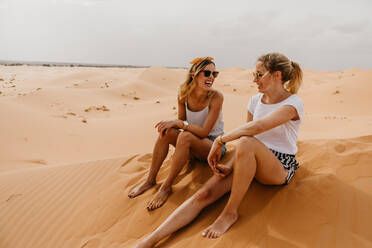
(282, 138)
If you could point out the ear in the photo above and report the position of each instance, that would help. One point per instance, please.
(278, 74)
(192, 75)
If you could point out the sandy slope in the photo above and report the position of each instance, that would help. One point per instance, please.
(76, 140)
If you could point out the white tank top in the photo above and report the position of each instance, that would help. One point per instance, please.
(198, 118)
(282, 138)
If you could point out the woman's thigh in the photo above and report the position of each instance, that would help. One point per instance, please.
(269, 170)
(200, 148)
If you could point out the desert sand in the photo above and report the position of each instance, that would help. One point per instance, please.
(76, 140)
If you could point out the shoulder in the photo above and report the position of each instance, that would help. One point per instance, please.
(295, 99)
(216, 97)
(181, 100)
(255, 98)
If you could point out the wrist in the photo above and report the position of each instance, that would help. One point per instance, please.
(179, 124)
(185, 125)
(220, 141)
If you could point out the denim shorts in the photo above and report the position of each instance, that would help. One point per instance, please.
(212, 138)
(289, 163)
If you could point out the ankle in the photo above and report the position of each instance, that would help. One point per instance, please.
(231, 212)
(165, 188)
(150, 182)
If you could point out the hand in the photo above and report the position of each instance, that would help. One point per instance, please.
(224, 170)
(164, 126)
(214, 156)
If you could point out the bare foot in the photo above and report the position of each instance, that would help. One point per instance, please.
(220, 225)
(140, 189)
(159, 199)
(224, 169)
(144, 243)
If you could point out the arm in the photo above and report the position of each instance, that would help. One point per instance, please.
(181, 109)
(249, 116)
(214, 111)
(164, 126)
(276, 118)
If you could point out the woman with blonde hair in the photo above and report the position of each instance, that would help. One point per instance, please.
(265, 149)
(192, 134)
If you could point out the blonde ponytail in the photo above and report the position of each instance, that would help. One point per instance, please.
(294, 83)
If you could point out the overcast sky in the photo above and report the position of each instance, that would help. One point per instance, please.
(319, 34)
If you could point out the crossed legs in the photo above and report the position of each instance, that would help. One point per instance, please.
(252, 160)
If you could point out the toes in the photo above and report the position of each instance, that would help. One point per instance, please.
(152, 205)
(149, 206)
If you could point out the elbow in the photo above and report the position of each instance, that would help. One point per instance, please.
(204, 134)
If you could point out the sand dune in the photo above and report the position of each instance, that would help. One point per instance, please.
(64, 182)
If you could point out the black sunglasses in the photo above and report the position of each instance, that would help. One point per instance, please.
(207, 73)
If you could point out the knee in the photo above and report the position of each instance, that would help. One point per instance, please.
(185, 138)
(203, 195)
(245, 145)
(169, 136)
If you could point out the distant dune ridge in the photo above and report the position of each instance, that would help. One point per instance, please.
(75, 140)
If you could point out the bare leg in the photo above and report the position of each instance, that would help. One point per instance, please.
(212, 190)
(187, 143)
(160, 152)
(252, 160)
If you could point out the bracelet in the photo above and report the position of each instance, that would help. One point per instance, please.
(219, 139)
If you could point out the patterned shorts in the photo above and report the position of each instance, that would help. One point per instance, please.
(289, 163)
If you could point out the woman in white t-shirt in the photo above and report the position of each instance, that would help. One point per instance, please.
(265, 149)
